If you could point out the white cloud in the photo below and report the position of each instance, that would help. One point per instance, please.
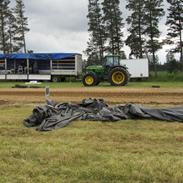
(57, 25)
(53, 43)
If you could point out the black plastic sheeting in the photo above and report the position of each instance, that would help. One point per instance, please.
(54, 115)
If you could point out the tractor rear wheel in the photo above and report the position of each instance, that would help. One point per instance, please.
(90, 79)
(119, 77)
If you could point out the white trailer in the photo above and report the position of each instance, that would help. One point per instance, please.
(138, 68)
(66, 67)
(40, 66)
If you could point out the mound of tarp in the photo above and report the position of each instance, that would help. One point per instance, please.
(58, 115)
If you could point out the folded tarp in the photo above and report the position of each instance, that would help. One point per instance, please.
(53, 116)
(37, 56)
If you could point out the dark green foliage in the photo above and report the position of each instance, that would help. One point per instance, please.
(22, 24)
(169, 71)
(153, 62)
(12, 27)
(4, 37)
(173, 78)
(95, 49)
(153, 12)
(172, 65)
(136, 21)
(105, 30)
(122, 55)
(175, 23)
(113, 24)
(92, 52)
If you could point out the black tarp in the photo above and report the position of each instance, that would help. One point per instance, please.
(58, 115)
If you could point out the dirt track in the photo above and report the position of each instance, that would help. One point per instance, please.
(111, 95)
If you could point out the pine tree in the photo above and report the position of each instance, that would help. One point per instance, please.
(136, 21)
(4, 9)
(113, 25)
(153, 12)
(22, 24)
(95, 50)
(92, 52)
(12, 27)
(175, 23)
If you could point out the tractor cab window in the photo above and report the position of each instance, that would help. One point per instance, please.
(112, 61)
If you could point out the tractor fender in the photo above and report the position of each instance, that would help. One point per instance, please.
(98, 77)
(88, 72)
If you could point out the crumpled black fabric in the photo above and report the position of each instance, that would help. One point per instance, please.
(58, 115)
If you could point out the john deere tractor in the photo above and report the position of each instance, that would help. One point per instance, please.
(111, 71)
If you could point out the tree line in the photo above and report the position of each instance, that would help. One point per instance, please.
(13, 27)
(106, 23)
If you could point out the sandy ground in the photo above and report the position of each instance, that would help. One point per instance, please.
(111, 95)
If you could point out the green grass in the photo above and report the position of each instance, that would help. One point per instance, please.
(167, 76)
(142, 84)
(10, 84)
(149, 84)
(127, 151)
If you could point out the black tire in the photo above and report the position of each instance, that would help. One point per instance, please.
(93, 80)
(121, 74)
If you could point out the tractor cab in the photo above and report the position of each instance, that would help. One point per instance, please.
(111, 61)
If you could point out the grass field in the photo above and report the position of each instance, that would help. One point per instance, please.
(129, 151)
(142, 84)
(94, 152)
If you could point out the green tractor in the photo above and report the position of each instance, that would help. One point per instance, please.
(110, 71)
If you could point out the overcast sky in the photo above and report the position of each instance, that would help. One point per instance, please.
(61, 26)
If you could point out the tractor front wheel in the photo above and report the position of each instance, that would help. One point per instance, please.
(90, 79)
(118, 77)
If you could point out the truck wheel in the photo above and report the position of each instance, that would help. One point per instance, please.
(90, 79)
(118, 77)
